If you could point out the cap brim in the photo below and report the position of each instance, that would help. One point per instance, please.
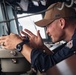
(43, 23)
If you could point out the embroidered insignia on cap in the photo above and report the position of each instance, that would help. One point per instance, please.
(69, 44)
(57, 15)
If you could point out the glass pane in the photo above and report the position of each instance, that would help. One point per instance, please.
(28, 23)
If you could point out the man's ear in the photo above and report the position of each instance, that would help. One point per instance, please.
(62, 21)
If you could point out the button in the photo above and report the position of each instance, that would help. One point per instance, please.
(14, 53)
(14, 61)
(69, 44)
(43, 70)
(74, 52)
(44, 51)
(33, 69)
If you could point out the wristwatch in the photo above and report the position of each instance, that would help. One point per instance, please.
(19, 46)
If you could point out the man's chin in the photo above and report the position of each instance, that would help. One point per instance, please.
(54, 41)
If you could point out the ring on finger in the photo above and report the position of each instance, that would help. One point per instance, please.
(3, 43)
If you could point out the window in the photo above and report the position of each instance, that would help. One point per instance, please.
(28, 23)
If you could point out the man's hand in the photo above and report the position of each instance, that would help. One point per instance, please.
(34, 41)
(10, 41)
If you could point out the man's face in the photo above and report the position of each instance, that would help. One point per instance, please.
(55, 31)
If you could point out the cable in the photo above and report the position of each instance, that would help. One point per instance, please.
(72, 1)
(61, 6)
(29, 15)
(38, 12)
(10, 5)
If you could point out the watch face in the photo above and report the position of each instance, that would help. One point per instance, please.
(19, 48)
(20, 45)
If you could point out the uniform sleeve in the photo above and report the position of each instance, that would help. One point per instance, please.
(42, 61)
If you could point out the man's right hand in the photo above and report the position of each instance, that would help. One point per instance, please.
(35, 41)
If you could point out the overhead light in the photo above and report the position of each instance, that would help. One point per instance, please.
(24, 4)
(75, 1)
(70, 5)
(35, 2)
(43, 2)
